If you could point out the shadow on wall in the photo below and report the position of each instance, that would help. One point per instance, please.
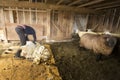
(116, 50)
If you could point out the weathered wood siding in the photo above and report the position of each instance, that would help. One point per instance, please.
(80, 22)
(61, 25)
(11, 17)
(109, 21)
(47, 24)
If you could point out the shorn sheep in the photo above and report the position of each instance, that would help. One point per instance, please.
(101, 44)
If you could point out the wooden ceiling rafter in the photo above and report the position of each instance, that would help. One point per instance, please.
(91, 3)
(45, 1)
(44, 6)
(74, 2)
(59, 2)
(106, 7)
(105, 4)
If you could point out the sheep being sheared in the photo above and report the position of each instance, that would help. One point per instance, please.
(36, 52)
(100, 44)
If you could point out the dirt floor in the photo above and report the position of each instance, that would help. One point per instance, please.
(22, 69)
(71, 62)
(75, 63)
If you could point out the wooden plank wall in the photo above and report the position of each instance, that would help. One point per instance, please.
(11, 17)
(61, 25)
(109, 21)
(81, 21)
(11, 34)
(55, 25)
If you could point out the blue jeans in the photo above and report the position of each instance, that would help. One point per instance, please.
(21, 34)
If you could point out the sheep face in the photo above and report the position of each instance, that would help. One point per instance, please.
(110, 41)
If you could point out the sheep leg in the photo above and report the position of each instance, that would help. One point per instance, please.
(98, 57)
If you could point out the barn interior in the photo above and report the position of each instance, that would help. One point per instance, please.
(56, 23)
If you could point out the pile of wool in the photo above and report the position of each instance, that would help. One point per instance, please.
(36, 52)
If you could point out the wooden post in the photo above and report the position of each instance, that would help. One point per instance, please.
(108, 19)
(117, 26)
(103, 20)
(36, 16)
(30, 0)
(24, 15)
(17, 15)
(87, 17)
(30, 16)
(48, 24)
(45, 1)
(71, 23)
(4, 26)
(11, 15)
(113, 17)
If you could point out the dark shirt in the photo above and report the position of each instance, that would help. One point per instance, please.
(29, 31)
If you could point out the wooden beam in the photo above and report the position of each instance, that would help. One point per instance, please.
(4, 25)
(107, 19)
(112, 6)
(30, 0)
(26, 10)
(91, 3)
(30, 16)
(44, 6)
(59, 2)
(118, 22)
(24, 15)
(17, 15)
(71, 23)
(36, 14)
(48, 24)
(105, 4)
(113, 17)
(45, 1)
(11, 15)
(74, 2)
(87, 18)
(103, 20)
